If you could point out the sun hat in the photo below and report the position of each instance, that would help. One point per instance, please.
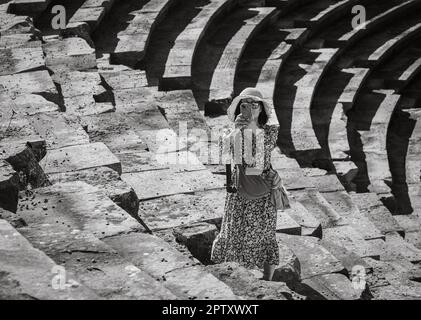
(252, 93)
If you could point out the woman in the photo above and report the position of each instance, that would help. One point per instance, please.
(248, 228)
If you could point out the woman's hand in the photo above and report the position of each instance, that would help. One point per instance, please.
(241, 122)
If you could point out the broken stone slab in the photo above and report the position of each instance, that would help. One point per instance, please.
(342, 203)
(314, 259)
(183, 209)
(125, 79)
(23, 159)
(97, 265)
(330, 287)
(286, 224)
(108, 181)
(315, 203)
(245, 284)
(198, 238)
(38, 82)
(75, 205)
(18, 60)
(72, 53)
(86, 105)
(9, 187)
(79, 157)
(58, 129)
(25, 104)
(11, 25)
(77, 83)
(159, 183)
(179, 274)
(397, 248)
(18, 40)
(27, 273)
(348, 237)
(289, 268)
(310, 226)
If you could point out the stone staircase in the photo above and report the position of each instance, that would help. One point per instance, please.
(102, 123)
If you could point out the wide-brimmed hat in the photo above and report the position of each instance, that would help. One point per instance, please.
(252, 93)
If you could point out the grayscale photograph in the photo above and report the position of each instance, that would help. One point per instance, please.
(210, 155)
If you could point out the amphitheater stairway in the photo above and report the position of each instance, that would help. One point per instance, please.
(93, 157)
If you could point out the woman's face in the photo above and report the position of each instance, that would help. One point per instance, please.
(253, 105)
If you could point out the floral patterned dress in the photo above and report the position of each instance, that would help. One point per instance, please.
(248, 229)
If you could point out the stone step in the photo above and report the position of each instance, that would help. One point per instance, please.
(23, 156)
(29, 7)
(178, 67)
(222, 84)
(286, 224)
(397, 248)
(133, 41)
(343, 205)
(17, 60)
(314, 259)
(245, 284)
(108, 181)
(58, 129)
(348, 237)
(38, 82)
(80, 157)
(315, 203)
(310, 225)
(183, 209)
(27, 273)
(185, 277)
(9, 187)
(26, 104)
(171, 182)
(72, 53)
(371, 206)
(98, 266)
(392, 280)
(75, 205)
(349, 259)
(333, 286)
(198, 238)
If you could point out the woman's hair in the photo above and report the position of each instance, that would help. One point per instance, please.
(263, 117)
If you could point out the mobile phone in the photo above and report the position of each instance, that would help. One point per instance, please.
(246, 112)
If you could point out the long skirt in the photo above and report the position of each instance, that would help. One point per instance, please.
(248, 232)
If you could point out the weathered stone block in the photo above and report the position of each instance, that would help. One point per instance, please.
(198, 238)
(85, 156)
